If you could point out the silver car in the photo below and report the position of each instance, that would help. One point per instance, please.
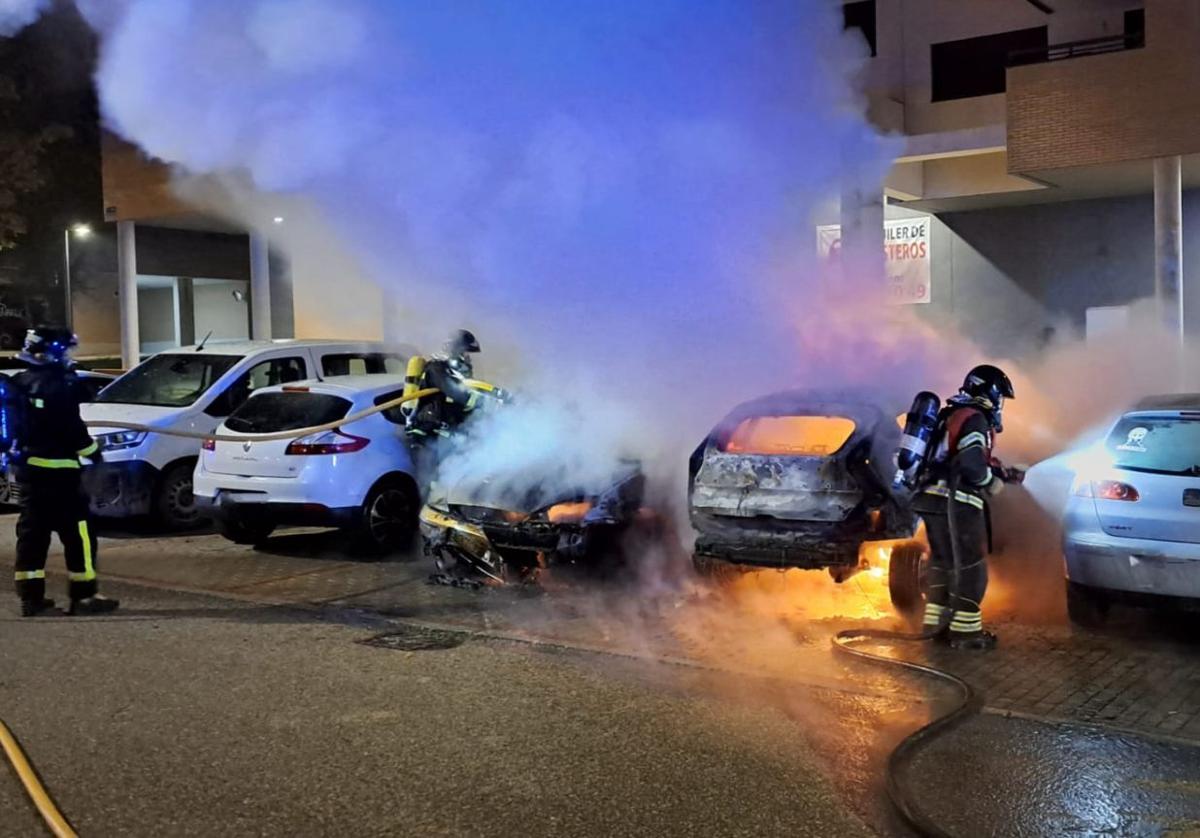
(1131, 529)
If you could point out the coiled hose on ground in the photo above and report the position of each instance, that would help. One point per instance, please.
(968, 701)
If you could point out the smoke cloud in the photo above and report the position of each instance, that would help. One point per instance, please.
(17, 14)
(622, 191)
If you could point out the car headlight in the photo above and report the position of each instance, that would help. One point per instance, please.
(120, 440)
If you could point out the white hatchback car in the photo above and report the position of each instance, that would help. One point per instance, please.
(192, 389)
(359, 477)
(1131, 529)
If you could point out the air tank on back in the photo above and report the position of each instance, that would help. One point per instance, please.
(919, 428)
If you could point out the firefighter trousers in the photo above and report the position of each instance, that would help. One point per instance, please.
(973, 575)
(52, 502)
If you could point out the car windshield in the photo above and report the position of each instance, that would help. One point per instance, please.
(1160, 444)
(267, 413)
(169, 380)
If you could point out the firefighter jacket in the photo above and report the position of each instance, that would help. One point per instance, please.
(52, 434)
(965, 445)
(437, 413)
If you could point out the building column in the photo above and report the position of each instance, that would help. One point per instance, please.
(260, 287)
(127, 293)
(1168, 242)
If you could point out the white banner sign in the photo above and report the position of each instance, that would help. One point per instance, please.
(906, 257)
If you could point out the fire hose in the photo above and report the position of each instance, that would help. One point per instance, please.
(41, 799)
(967, 703)
(294, 433)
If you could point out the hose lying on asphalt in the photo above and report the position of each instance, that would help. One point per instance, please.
(295, 433)
(968, 703)
(41, 799)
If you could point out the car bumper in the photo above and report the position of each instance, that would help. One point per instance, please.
(1138, 566)
(805, 547)
(247, 506)
(120, 488)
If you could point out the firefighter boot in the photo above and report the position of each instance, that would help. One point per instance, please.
(974, 641)
(93, 605)
(34, 607)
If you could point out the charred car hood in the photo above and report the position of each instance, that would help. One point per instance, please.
(523, 493)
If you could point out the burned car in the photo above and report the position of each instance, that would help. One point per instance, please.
(502, 530)
(800, 479)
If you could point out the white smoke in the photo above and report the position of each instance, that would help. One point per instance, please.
(15, 15)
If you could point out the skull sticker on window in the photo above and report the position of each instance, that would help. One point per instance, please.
(1136, 441)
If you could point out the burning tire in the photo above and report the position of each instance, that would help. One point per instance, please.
(906, 578)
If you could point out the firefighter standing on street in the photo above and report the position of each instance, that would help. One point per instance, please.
(963, 456)
(52, 439)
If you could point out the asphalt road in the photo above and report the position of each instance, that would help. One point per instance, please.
(188, 715)
(248, 707)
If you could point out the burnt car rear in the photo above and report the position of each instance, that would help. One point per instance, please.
(799, 479)
(488, 533)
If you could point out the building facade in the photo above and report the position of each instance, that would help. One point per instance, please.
(1049, 146)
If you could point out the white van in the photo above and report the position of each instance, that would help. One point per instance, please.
(194, 389)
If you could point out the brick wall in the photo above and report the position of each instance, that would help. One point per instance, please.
(1129, 105)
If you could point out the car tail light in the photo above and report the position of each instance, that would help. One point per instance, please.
(209, 444)
(330, 442)
(1115, 490)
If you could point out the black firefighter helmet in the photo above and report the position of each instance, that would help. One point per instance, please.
(988, 386)
(48, 345)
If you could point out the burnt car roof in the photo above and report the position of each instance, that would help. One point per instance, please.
(865, 409)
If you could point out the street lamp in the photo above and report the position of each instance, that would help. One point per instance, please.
(81, 231)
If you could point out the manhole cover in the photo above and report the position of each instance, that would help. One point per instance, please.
(416, 639)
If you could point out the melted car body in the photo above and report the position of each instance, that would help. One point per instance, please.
(799, 479)
(492, 532)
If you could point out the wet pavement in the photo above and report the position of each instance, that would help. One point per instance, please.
(1031, 778)
(766, 643)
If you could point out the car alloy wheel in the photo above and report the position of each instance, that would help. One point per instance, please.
(389, 518)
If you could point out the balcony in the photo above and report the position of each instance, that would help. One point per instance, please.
(1077, 49)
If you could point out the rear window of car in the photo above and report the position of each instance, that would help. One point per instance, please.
(361, 363)
(267, 413)
(1160, 444)
(794, 436)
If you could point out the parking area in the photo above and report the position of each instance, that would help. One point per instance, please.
(1140, 674)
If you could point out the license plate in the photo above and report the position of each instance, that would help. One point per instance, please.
(1191, 497)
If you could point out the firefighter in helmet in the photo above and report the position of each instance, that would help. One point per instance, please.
(53, 441)
(962, 475)
(452, 373)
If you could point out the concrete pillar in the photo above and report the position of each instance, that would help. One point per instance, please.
(260, 287)
(127, 293)
(1168, 242)
(186, 297)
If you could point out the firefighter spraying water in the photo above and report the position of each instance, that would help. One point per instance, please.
(946, 458)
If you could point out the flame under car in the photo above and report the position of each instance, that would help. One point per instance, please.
(491, 534)
(799, 479)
